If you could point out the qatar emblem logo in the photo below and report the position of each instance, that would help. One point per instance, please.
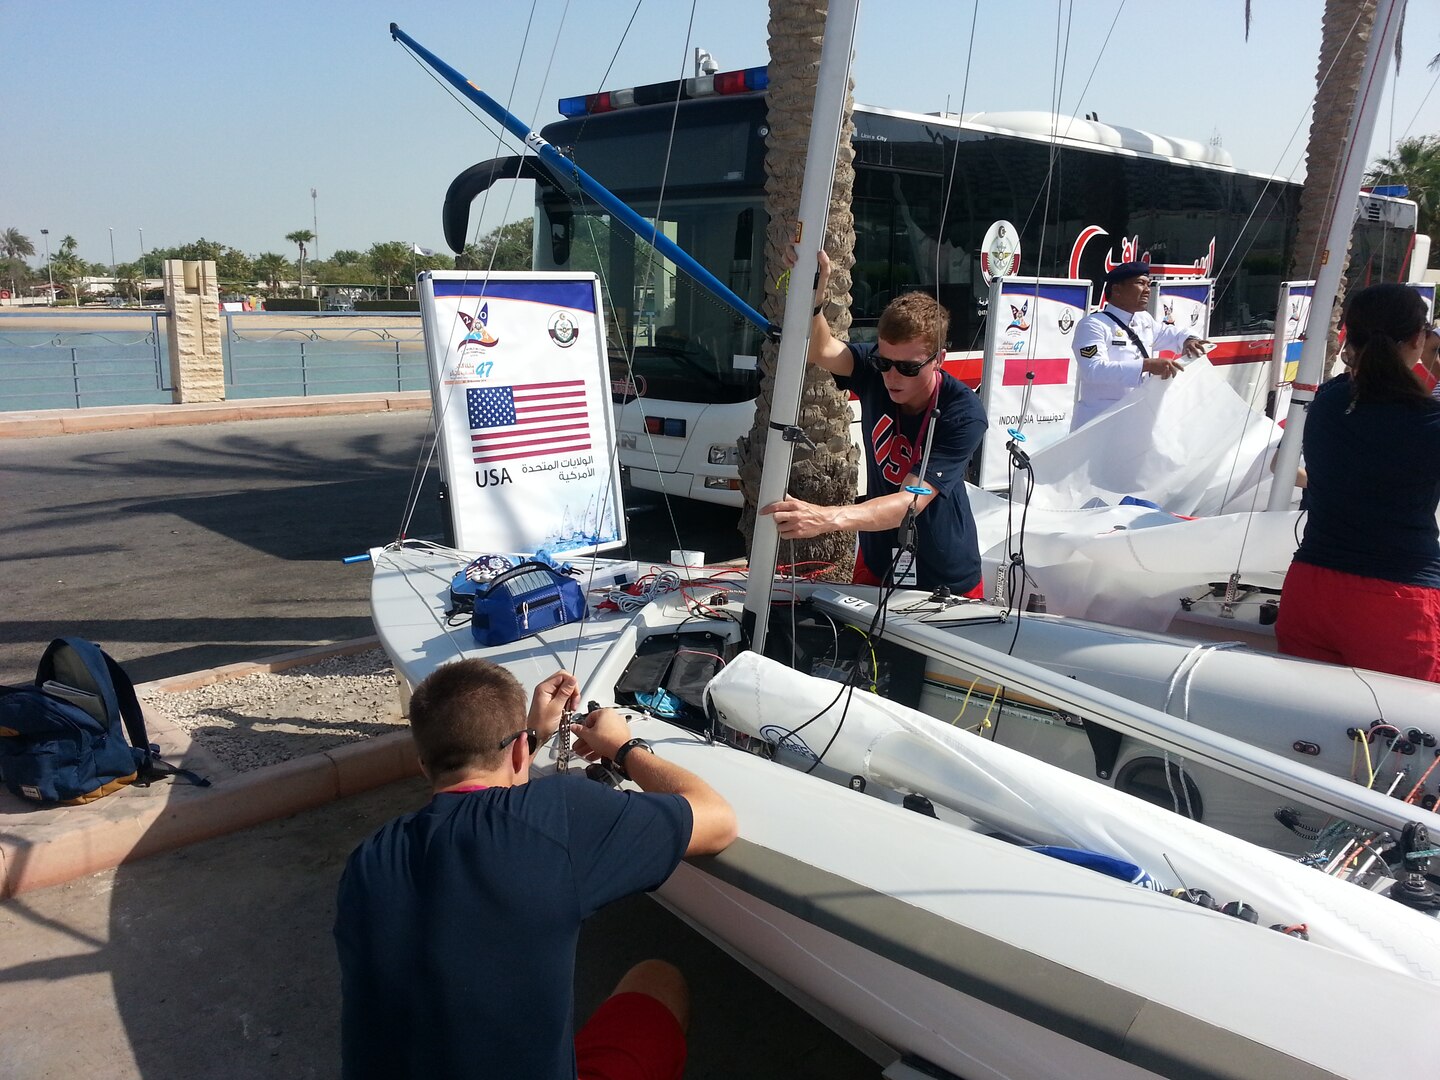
(999, 252)
(563, 329)
(477, 328)
(1066, 322)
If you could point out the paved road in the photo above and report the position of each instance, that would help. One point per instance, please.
(184, 548)
(164, 969)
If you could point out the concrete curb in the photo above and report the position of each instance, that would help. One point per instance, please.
(43, 422)
(43, 846)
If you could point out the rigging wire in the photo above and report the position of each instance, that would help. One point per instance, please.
(955, 155)
(426, 455)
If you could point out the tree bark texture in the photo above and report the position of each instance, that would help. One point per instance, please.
(826, 475)
(1345, 34)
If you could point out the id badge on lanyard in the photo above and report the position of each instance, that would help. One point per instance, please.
(904, 562)
(904, 573)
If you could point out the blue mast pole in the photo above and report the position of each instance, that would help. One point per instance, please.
(560, 165)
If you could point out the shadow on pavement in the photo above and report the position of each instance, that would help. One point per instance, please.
(217, 961)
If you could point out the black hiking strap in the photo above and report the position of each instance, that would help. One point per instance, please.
(152, 767)
(1126, 327)
(130, 710)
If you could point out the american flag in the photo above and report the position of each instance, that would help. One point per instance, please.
(508, 423)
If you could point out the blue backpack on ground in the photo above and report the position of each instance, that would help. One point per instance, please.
(77, 733)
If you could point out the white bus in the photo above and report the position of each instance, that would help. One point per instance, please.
(684, 366)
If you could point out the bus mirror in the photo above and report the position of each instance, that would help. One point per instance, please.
(562, 228)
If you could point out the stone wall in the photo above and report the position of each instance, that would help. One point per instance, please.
(197, 359)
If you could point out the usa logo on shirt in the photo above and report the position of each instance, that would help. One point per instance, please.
(894, 453)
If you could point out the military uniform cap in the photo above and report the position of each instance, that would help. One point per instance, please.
(1125, 271)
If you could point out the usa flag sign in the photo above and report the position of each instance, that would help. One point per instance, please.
(520, 389)
(538, 420)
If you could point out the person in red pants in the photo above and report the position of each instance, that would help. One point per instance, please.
(1364, 588)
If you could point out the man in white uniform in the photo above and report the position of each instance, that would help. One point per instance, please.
(1119, 344)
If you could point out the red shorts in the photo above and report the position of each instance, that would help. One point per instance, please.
(630, 1037)
(864, 576)
(1360, 622)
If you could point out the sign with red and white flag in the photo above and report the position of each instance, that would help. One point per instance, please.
(1028, 384)
(520, 387)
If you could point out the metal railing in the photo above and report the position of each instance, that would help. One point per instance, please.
(50, 361)
(322, 353)
(53, 359)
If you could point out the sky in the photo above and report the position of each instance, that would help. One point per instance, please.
(175, 119)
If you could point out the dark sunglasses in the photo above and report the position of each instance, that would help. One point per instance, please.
(908, 368)
(529, 733)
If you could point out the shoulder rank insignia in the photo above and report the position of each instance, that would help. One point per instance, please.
(1089, 351)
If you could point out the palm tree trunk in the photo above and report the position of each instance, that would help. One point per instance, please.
(1345, 33)
(826, 475)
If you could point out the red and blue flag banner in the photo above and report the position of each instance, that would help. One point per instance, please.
(1028, 383)
(520, 386)
(539, 420)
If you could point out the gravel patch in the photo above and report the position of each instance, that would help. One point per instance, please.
(270, 717)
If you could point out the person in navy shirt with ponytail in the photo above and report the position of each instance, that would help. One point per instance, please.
(1364, 589)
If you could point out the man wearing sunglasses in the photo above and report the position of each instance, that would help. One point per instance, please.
(1118, 345)
(457, 925)
(903, 393)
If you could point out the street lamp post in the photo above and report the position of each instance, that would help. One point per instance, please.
(141, 297)
(48, 273)
(315, 222)
(114, 271)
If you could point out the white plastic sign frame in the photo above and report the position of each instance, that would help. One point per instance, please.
(1029, 376)
(1292, 313)
(520, 384)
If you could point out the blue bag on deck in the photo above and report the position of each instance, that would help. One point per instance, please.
(77, 733)
(524, 601)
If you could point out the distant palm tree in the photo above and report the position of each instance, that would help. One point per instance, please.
(301, 237)
(270, 267)
(130, 278)
(15, 247)
(70, 268)
(388, 260)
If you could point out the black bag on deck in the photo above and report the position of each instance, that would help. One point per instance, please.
(63, 739)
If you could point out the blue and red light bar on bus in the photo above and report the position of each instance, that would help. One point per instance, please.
(743, 81)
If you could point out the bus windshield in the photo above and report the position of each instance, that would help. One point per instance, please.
(667, 338)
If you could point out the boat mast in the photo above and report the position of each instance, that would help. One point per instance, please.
(1389, 14)
(831, 89)
(562, 167)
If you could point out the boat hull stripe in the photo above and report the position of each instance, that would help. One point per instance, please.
(1071, 1003)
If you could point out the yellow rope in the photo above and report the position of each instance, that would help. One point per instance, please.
(965, 703)
(985, 720)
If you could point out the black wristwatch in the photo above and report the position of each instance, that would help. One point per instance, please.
(624, 752)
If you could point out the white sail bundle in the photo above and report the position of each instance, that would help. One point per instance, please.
(1011, 792)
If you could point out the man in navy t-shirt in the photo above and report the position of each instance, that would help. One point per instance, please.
(903, 393)
(457, 925)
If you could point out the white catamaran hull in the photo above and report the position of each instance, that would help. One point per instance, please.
(964, 949)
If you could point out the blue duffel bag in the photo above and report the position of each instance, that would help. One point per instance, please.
(529, 599)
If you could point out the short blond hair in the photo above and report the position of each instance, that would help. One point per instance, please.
(912, 316)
